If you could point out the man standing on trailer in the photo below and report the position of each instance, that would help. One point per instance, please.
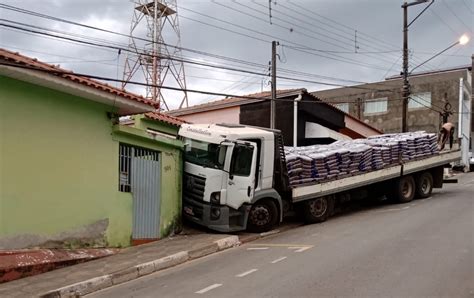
(447, 131)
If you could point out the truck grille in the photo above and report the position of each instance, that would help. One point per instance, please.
(193, 187)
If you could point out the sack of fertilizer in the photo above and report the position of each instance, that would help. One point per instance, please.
(320, 163)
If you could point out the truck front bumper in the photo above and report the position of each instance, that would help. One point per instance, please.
(220, 218)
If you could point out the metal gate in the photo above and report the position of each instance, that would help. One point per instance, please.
(144, 169)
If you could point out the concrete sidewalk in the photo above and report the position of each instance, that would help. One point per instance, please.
(128, 264)
(16, 264)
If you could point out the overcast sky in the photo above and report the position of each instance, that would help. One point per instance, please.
(316, 37)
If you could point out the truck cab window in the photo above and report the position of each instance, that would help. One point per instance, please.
(205, 154)
(241, 162)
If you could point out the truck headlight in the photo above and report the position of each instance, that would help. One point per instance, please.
(216, 198)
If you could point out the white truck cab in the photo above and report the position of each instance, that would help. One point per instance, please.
(229, 173)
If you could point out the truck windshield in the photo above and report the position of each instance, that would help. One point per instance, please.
(205, 154)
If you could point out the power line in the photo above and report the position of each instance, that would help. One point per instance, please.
(350, 45)
(391, 67)
(444, 54)
(114, 47)
(68, 73)
(125, 35)
(304, 11)
(457, 17)
(121, 34)
(202, 64)
(276, 18)
(442, 21)
(178, 59)
(339, 58)
(468, 7)
(29, 12)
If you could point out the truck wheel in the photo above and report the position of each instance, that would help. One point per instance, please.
(424, 185)
(318, 210)
(263, 216)
(405, 189)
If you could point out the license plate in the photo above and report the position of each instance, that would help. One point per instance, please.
(189, 210)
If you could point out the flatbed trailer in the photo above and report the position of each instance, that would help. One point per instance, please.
(301, 193)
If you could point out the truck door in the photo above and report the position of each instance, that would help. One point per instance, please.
(241, 182)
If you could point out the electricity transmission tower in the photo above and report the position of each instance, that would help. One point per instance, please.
(152, 58)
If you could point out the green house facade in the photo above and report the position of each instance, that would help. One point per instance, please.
(70, 174)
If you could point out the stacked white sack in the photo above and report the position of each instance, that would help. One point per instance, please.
(318, 163)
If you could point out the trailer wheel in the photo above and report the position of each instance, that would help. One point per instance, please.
(263, 216)
(317, 210)
(424, 185)
(405, 189)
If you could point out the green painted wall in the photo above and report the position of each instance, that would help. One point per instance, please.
(59, 167)
(171, 171)
(59, 170)
(171, 178)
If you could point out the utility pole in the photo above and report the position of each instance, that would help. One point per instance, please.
(359, 108)
(274, 89)
(406, 84)
(472, 99)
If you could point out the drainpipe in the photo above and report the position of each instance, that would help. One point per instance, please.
(295, 120)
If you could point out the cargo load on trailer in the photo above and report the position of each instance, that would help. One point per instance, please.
(341, 159)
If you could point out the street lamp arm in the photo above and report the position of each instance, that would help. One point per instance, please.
(419, 2)
(426, 61)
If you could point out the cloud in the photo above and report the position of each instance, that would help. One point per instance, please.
(318, 25)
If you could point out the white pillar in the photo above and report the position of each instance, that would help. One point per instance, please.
(295, 121)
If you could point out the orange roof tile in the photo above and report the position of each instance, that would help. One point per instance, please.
(164, 118)
(18, 59)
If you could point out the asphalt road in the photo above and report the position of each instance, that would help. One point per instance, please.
(421, 249)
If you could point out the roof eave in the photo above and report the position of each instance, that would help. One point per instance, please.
(212, 106)
(124, 105)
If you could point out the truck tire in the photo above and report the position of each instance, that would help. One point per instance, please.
(317, 210)
(405, 189)
(263, 216)
(424, 185)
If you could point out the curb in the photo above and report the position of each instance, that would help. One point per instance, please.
(128, 274)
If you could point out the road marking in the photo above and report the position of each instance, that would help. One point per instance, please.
(282, 245)
(257, 248)
(302, 249)
(246, 273)
(211, 287)
(278, 260)
(393, 209)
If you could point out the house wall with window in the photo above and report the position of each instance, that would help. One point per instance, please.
(59, 173)
(380, 104)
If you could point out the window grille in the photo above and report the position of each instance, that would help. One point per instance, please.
(127, 153)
